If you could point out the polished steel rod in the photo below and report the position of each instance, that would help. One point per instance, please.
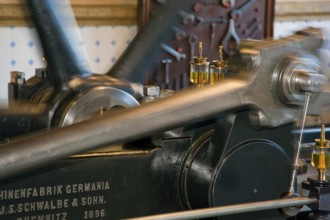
(231, 209)
(184, 108)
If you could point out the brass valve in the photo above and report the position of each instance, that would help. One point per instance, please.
(321, 155)
(199, 68)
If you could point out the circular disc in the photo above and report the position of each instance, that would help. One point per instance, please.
(88, 103)
(254, 171)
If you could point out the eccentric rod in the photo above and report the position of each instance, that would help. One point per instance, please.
(297, 151)
(231, 209)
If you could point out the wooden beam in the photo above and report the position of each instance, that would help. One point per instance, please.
(124, 12)
(87, 12)
(302, 9)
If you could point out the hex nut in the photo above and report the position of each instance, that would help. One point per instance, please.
(17, 77)
(166, 92)
(151, 90)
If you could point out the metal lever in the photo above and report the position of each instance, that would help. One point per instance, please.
(201, 20)
(179, 56)
(231, 34)
(192, 43)
(187, 18)
(212, 35)
(228, 3)
(237, 13)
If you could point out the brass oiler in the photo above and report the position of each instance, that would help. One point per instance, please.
(199, 68)
(217, 68)
(321, 155)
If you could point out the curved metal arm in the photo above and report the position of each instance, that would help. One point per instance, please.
(60, 39)
(142, 51)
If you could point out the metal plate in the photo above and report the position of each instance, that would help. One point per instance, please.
(254, 171)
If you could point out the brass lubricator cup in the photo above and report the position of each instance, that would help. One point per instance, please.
(217, 68)
(199, 68)
(321, 155)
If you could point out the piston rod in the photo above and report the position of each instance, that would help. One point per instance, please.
(231, 209)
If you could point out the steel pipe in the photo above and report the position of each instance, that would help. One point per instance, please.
(231, 209)
(130, 124)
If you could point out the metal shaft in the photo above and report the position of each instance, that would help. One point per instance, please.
(231, 209)
(130, 124)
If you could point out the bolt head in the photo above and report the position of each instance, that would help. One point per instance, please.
(166, 92)
(257, 119)
(17, 77)
(151, 90)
